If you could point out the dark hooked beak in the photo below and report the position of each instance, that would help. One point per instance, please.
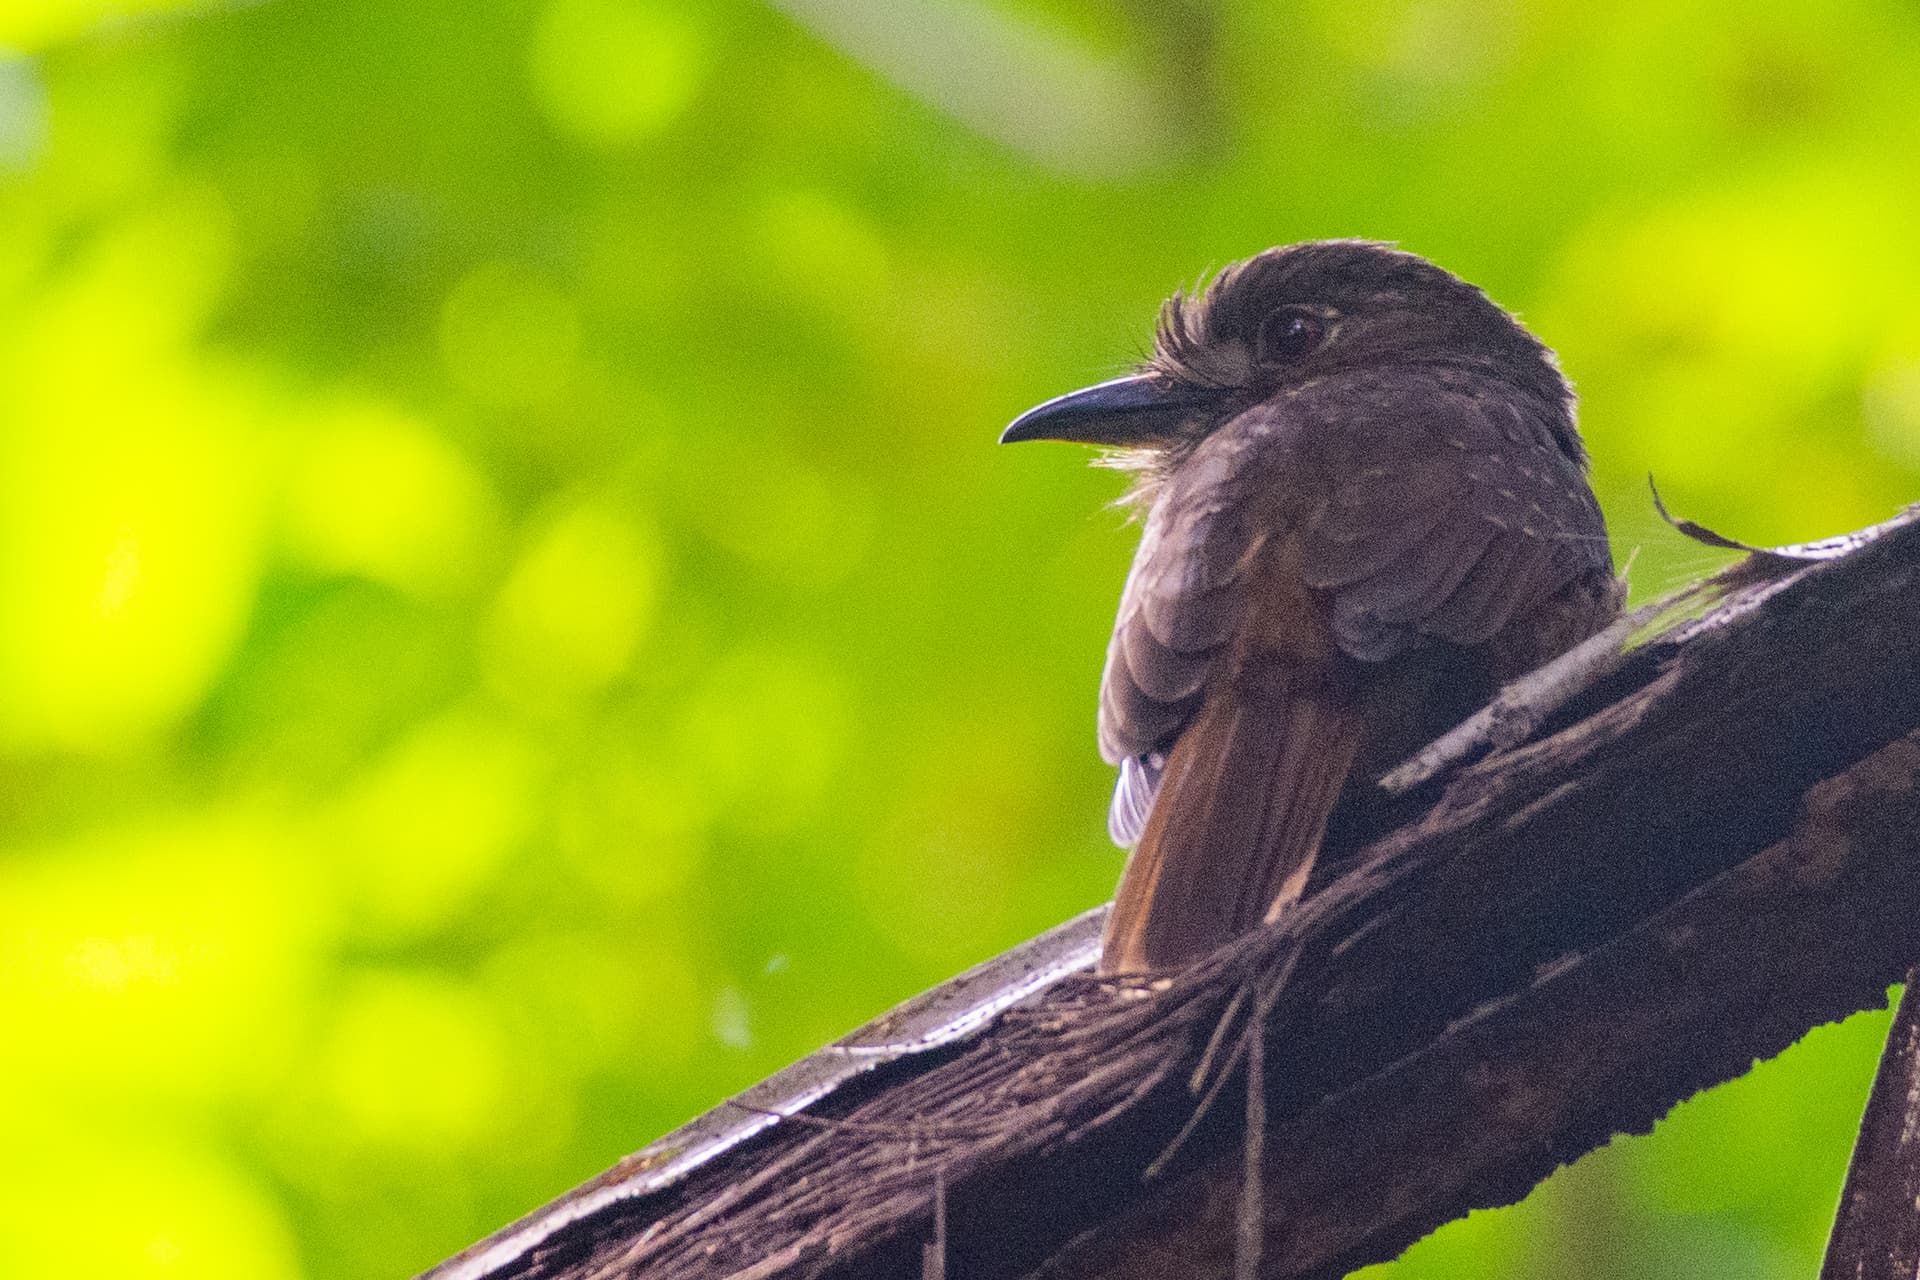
(1136, 410)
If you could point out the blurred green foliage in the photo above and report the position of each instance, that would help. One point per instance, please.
(515, 626)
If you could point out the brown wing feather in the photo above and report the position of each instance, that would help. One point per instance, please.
(1183, 602)
(1506, 519)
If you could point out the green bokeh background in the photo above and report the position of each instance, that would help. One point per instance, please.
(512, 623)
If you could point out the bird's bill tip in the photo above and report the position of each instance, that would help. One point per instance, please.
(1136, 409)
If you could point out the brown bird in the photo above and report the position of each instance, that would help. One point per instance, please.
(1366, 507)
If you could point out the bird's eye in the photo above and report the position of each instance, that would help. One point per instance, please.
(1287, 335)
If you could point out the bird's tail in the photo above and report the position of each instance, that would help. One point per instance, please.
(1237, 822)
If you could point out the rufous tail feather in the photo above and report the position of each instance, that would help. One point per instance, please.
(1237, 823)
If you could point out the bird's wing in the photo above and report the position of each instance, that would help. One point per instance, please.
(1458, 513)
(1180, 606)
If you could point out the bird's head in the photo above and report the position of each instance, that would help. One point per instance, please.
(1285, 319)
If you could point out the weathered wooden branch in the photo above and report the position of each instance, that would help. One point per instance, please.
(1680, 871)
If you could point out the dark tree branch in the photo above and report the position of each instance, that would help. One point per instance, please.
(1682, 870)
(1876, 1235)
